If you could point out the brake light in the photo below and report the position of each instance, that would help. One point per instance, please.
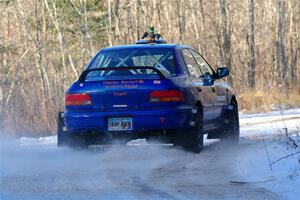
(166, 96)
(78, 99)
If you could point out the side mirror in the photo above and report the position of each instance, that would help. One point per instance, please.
(222, 72)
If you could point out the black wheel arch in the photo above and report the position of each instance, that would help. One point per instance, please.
(234, 100)
(199, 105)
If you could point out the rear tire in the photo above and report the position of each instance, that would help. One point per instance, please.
(191, 139)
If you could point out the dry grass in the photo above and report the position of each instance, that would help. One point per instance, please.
(265, 100)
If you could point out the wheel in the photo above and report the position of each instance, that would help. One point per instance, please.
(64, 138)
(191, 139)
(232, 129)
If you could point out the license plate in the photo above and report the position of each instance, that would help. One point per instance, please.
(120, 124)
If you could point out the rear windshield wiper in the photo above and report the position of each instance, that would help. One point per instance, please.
(163, 74)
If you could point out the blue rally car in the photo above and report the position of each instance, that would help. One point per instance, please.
(149, 90)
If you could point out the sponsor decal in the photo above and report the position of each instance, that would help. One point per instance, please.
(120, 106)
(220, 94)
(119, 94)
(121, 86)
(110, 82)
(126, 84)
(132, 82)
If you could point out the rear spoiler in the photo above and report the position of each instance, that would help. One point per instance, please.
(163, 74)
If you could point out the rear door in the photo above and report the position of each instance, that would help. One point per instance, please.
(218, 90)
(220, 97)
(204, 91)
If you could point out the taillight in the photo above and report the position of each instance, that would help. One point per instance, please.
(166, 96)
(78, 99)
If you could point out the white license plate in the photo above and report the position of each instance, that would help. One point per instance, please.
(120, 124)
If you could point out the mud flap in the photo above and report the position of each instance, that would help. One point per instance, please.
(62, 136)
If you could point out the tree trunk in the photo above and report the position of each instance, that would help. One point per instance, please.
(178, 7)
(281, 40)
(137, 20)
(251, 45)
(294, 39)
(129, 24)
(117, 33)
(63, 45)
(226, 34)
(109, 23)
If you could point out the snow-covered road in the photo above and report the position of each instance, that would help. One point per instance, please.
(33, 168)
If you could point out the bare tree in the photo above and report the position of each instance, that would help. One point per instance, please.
(251, 45)
(178, 12)
(281, 39)
(226, 35)
(138, 16)
(109, 22)
(45, 44)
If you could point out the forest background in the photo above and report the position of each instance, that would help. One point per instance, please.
(45, 44)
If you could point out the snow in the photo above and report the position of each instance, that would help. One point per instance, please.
(34, 168)
(283, 179)
(266, 124)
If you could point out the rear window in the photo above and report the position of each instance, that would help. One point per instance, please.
(159, 58)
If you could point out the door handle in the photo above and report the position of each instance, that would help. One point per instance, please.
(199, 89)
(213, 89)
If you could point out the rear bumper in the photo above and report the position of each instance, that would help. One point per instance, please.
(143, 120)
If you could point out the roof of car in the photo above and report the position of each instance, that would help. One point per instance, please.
(142, 46)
